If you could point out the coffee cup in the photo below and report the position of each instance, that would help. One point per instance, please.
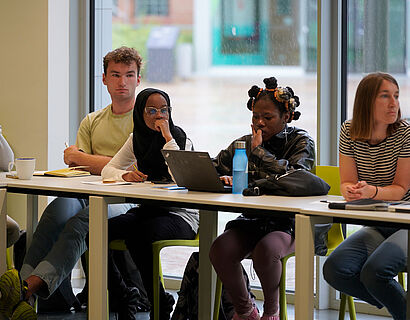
(24, 167)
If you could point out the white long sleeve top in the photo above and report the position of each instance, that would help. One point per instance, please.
(125, 157)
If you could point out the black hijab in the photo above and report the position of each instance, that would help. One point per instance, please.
(148, 143)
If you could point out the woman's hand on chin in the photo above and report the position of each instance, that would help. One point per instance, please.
(162, 126)
(134, 176)
(256, 137)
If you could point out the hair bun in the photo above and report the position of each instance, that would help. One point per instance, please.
(296, 115)
(270, 83)
(253, 92)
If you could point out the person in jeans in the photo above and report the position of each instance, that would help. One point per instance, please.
(272, 148)
(59, 240)
(374, 157)
(141, 226)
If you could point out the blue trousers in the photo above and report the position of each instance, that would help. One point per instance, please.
(364, 266)
(59, 241)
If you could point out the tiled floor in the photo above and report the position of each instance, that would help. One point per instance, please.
(318, 315)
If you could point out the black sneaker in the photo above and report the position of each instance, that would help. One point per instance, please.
(166, 306)
(131, 304)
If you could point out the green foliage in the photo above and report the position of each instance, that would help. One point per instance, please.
(126, 35)
(137, 37)
(185, 36)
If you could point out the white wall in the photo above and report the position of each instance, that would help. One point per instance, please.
(34, 82)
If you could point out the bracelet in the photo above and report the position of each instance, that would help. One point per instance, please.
(377, 190)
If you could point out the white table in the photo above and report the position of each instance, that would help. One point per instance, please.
(308, 210)
(318, 212)
(102, 195)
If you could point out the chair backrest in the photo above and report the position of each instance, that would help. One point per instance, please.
(331, 175)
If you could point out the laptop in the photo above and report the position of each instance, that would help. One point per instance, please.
(403, 207)
(194, 170)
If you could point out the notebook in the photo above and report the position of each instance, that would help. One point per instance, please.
(194, 170)
(66, 172)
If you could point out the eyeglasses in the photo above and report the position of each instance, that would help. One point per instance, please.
(152, 111)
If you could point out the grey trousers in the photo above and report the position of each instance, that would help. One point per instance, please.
(59, 241)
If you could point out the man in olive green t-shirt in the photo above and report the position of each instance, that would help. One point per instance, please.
(59, 240)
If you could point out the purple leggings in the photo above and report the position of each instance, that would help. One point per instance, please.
(231, 247)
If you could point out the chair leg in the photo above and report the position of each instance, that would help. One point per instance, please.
(352, 309)
(9, 258)
(157, 275)
(283, 311)
(218, 295)
(342, 307)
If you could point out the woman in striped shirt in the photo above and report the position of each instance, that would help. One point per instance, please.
(374, 157)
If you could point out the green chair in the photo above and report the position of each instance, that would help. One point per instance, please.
(157, 246)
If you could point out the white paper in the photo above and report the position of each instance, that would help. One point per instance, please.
(100, 183)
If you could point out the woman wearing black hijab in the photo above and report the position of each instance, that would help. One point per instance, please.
(141, 226)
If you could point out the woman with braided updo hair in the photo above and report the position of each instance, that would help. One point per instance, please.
(274, 147)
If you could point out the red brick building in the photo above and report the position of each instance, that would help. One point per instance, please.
(168, 12)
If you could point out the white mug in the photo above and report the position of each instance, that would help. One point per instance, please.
(24, 167)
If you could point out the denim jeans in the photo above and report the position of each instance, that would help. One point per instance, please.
(59, 241)
(364, 266)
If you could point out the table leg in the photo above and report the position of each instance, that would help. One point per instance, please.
(304, 255)
(408, 277)
(32, 216)
(3, 230)
(208, 222)
(98, 246)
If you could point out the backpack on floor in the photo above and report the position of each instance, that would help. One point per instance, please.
(187, 304)
(131, 277)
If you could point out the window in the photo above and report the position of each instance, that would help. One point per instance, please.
(152, 7)
(213, 69)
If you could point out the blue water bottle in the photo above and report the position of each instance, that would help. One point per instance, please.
(240, 168)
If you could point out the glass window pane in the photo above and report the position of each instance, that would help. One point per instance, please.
(377, 42)
(249, 40)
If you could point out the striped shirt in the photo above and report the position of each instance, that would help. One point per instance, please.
(376, 164)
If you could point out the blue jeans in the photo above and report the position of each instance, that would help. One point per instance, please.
(364, 266)
(59, 241)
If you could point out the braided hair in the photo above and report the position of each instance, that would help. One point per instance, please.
(282, 97)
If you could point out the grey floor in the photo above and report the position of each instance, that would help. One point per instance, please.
(319, 315)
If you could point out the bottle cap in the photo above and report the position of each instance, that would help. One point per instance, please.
(240, 144)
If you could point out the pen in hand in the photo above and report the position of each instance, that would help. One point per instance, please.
(139, 173)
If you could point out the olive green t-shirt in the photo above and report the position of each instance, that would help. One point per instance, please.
(104, 133)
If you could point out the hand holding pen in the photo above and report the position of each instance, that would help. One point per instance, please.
(134, 176)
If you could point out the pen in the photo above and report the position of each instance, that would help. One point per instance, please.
(135, 167)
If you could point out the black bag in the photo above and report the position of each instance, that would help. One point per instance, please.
(130, 275)
(294, 183)
(187, 304)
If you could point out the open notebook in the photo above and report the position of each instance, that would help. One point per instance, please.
(66, 172)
